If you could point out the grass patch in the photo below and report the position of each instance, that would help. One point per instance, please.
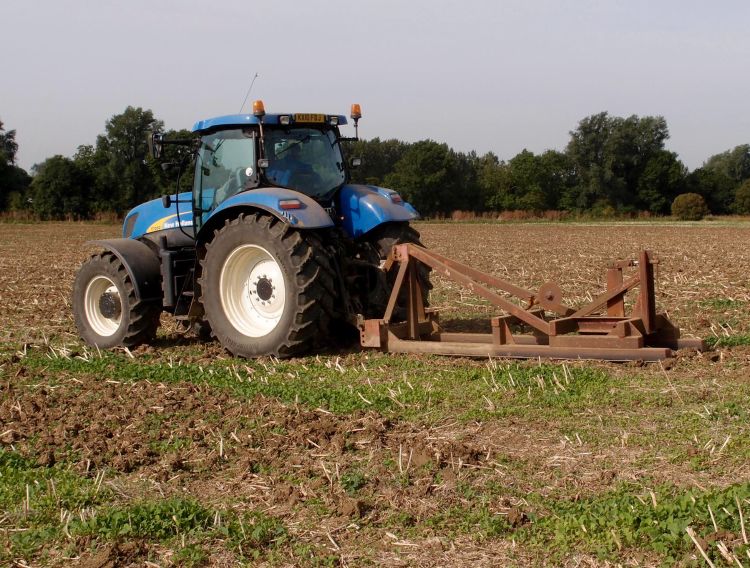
(39, 502)
(152, 520)
(610, 524)
(722, 304)
(396, 386)
(728, 340)
(46, 506)
(630, 518)
(178, 517)
(478, 521)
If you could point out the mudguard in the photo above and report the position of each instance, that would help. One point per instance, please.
(310, 215)
(141, 263)
(364, 207)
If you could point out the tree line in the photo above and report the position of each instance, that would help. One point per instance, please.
(610, 166)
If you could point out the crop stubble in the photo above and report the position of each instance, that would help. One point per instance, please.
(156, 440)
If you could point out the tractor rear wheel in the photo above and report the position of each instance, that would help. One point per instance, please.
(105, 308)
(384, 238)
(267, 289)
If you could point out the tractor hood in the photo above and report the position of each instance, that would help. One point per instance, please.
(153, 216)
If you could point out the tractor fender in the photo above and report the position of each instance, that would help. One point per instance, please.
(310, 215)
(140, 262)
(364, 207)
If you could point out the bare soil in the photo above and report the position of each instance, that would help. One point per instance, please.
(300, 464)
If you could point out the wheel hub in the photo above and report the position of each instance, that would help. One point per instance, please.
(264, 289)
(109, 305)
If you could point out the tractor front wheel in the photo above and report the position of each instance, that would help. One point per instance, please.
(106, 310)
(266, 288)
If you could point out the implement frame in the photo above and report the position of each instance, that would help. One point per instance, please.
(585, 333)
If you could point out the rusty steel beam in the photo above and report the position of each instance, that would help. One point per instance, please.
(614, 336)
(425, 255)
(518, 351)
(455, 274)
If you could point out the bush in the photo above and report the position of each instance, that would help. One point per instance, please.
(689, 207)
(742, 199)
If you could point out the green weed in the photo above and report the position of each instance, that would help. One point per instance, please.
(41, 501)
(728, 340)
(353, 481)
(153, 520)
(191, 556)
(722, 304)
(631, 518)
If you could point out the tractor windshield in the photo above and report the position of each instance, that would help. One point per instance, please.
(307, 160)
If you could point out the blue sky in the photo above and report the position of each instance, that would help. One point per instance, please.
(480, 75)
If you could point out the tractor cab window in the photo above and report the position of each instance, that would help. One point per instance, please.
(225, 165)
(307, 160)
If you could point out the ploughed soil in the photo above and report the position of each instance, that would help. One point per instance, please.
(353, 485)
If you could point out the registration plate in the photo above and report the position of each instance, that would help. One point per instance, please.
(307, 117)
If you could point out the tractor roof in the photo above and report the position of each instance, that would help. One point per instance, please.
(268, 119)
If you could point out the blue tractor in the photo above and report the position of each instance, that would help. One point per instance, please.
(269, 252)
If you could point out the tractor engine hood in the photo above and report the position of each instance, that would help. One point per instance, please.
(152, 216)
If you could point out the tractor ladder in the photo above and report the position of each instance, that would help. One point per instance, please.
(600, 330)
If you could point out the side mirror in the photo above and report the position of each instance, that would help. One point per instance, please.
(354, 163)
(166, 201)
(155, 146)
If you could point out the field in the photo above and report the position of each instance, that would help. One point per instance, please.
(178, 454)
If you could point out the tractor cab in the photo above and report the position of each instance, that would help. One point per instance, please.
(299, 152)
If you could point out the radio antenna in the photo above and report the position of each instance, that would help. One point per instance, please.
(248, 93)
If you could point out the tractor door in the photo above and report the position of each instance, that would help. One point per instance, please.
(226, 165)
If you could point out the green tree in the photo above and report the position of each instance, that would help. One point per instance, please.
(177, 162)
(734, 164)
(428, 177)
(59, 190)
(742, 199)
(609, 155)
(493, 179)
(13, 180)
(8, 145)
(529, 182)
(559, 180)
(378, 158)
(123, 177)
(714, 186)
(663, 179)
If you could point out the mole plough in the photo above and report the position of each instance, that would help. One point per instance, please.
(608, 328)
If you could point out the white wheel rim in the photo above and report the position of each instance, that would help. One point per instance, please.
(252, 290)
(100, 323)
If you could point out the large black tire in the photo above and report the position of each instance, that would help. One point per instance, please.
(266, 288)
(105, 308)
(384, 238)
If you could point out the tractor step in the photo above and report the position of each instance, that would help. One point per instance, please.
(583, 333)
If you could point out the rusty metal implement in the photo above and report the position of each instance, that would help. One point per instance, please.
(544, 327)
